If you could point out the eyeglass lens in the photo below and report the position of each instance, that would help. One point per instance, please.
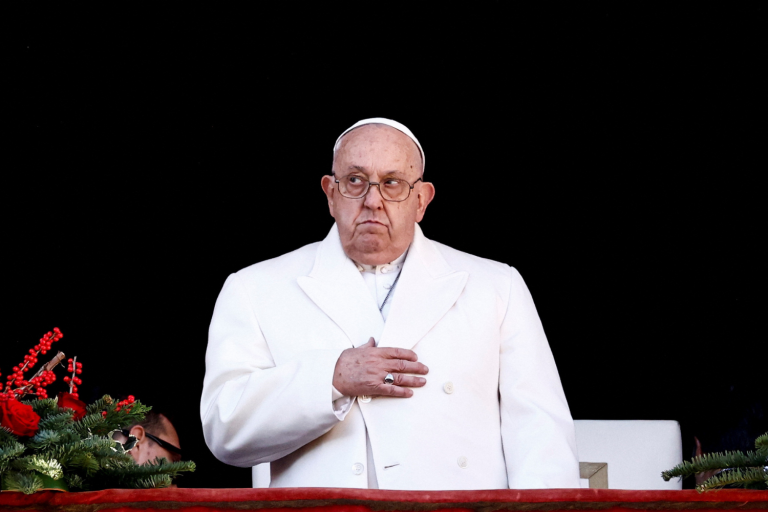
(127, 440)
(391, 189)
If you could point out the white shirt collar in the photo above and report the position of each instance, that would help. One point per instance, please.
(385, 268)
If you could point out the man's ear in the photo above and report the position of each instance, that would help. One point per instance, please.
(139, 432)
(698, 452)
(327, 182)
(425, 196)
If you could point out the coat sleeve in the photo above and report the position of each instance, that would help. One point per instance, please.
(252, 410)
(536, 425)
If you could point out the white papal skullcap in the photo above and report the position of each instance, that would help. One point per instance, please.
(388, 122)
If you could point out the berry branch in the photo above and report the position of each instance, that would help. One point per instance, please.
(41, 378)
(76, 369)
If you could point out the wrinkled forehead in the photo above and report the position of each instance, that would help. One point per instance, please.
(386, 122)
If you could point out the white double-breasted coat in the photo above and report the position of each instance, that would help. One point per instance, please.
(492, 414)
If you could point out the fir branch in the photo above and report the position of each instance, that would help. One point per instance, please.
(716, 460)
(739, 477)
(28, 483)
(8, 452)
(85, 461)
(74, 481)
(44, 407)
(127, 474)
(129, 415)
(6, 436)
(88, 423)
(154, 482)
(44, 439)
(102, 404)
(96, 446)
(58, 421)
(46, 466)
(762, 442)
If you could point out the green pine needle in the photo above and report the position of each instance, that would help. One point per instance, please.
(88, 423)
(11, 450)
(48, 467)
(28, 483)
(739, 477)
(102, 404)
(717, 460)
(56, 421)
(6, 436)
(154, 482)
(44, 439)
(85, 461)
(45, 407)
(127, 474)
(8, 452)
(737, 469)
(74, 481)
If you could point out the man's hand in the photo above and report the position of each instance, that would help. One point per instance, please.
(361, 371)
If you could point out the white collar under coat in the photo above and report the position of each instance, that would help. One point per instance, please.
(427, 289)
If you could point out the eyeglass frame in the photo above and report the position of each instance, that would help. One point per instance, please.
(164, 444)
(378, 185)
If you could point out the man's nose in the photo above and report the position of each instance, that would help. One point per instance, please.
(373, 199)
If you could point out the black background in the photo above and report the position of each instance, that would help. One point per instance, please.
(608, 151)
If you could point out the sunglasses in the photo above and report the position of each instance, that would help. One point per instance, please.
(125, 438)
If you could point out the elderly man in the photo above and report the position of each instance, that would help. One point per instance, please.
(380, 359)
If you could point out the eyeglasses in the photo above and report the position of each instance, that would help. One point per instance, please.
(125, 438)
(391, 189)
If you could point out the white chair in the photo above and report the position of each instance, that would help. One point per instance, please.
(261, 476)
(635, 451)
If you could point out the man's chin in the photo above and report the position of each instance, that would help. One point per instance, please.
(368, 249)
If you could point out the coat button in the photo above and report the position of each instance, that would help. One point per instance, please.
(448, 387)
(364, 398)
(462, 462)
(357, 468)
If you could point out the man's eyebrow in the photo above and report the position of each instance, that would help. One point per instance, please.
(362, 169)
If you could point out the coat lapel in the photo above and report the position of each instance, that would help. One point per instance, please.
(426, 290)
(337, 288)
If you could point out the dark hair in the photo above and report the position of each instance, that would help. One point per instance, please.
(153, 423)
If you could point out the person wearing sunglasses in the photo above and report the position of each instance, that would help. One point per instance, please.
(153, 438)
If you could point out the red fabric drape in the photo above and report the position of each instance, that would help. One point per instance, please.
(356, 500)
